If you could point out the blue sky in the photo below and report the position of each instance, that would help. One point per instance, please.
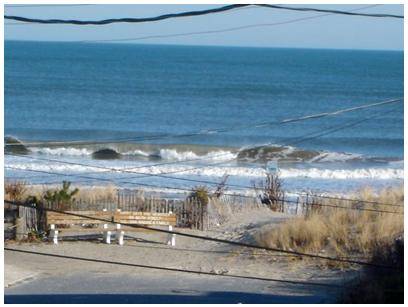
(333, 31)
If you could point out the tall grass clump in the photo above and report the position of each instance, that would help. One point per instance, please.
(15, 191)
(340, 232)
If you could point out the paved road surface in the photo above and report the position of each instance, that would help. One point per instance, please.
(105, 287)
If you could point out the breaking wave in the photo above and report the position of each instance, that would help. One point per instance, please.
(164, 154)
(219, 171)
(251, 155)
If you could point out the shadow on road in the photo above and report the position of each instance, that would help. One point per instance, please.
(209, 298)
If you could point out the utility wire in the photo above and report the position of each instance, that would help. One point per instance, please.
(188, 14)
(310, 9)
(127, 20)
(287, 281)
(164, 175)
(238, 28)
(242, 244)
(232, 11)
(220, 130)
(192, 190)
(311, 194)
(44, 5)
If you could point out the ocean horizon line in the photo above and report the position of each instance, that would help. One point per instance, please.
(101, 42)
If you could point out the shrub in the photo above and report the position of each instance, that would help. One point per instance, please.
(62, 196)
(15, 191)
(201, 194)
(271, 192)
(221, 187)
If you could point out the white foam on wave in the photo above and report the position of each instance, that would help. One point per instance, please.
(218, 171)
(62, 151)
(336, 157)
(364, 173)
(53, 167)
(171, 154)
(136, 153)
(165, 154)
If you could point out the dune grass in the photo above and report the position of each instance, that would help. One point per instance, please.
(19, 191)
(341, 232)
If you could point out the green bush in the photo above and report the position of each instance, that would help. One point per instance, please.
(61, 197)
(201, 194)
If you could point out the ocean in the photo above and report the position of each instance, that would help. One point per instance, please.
(158, 106)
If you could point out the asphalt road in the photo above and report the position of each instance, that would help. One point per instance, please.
(106, 287)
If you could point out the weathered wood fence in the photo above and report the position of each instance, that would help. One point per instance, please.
(190, 212)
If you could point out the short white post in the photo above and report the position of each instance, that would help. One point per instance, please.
(120, 234)
(106, 234)
(171, 239)
(121, 237)
(53, 234)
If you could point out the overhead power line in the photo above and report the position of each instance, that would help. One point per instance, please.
(192, 190)
(297, 141)
(165, 174)
(259, 25)
(128, 20)
(217, 130)
(310, 9)
(116, 180)
(189, 14)
(193, 236)
(44, 5)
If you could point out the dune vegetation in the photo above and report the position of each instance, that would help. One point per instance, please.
(340, 228)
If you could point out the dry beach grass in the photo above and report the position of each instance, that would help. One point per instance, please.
(338, 231)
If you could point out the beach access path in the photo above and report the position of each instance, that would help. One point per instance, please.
(31, 278)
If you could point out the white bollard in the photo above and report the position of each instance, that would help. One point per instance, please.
(53, 234)
(119, 233)
(107, 237)
(120, 236)
(106, 234)
(171, 239)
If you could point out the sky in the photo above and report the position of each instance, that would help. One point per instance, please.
(320, 31)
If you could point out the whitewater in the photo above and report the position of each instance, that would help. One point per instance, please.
(169, 169)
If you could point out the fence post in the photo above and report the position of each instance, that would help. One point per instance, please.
(20, 229)
(171, 239)
(283, 204)
(21, 224)
(106, 232)
(307, 204)
(201, 217)
(120, 234)
(297, 204)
